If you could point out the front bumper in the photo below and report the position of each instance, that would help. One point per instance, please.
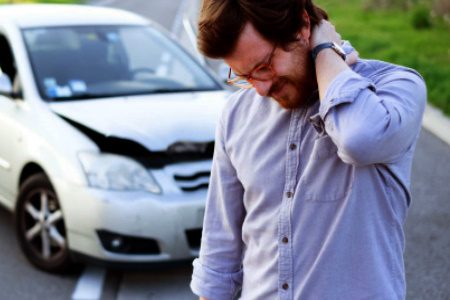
(170, 221)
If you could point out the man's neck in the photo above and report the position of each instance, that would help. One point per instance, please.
(311, 94)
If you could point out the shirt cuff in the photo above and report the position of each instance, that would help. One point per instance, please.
(343, 89)
(214, 285)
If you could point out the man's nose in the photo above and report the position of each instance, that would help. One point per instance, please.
(262, 87)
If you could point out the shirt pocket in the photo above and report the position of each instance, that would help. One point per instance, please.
(326, 178)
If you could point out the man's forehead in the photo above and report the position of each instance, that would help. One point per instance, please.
(251, 50)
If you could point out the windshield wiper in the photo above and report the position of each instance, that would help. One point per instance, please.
(87, 96)
(83, 96)
(183, 90)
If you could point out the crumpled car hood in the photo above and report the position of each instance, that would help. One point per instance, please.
(155, 121)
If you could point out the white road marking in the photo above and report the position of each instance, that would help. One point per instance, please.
(103, 2)
(435, 121)
(90, 284)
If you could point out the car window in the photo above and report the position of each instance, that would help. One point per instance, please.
(7, 63)
(84, 62)
(157, 55)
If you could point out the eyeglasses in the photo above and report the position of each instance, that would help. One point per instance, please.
(262, 72)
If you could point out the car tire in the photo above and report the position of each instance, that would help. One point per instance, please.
(40, 225)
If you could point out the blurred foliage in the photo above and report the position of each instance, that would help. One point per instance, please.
(421, 17)
(386, 32)
(40, 1)
(441, 8)
(387, 4)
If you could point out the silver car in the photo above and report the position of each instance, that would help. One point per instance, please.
(106, 136)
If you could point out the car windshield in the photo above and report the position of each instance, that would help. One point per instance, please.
(84, 62)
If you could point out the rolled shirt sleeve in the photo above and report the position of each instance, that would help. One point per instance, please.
(374, 121)
(218, 270)
(213, 285)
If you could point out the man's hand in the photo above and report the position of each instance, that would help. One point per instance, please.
(324, 32)
(328, 63)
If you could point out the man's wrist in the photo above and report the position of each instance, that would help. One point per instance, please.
(327, 45)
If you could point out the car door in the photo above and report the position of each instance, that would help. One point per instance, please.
(9, 128)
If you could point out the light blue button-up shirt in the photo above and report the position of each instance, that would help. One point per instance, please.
(310, 203)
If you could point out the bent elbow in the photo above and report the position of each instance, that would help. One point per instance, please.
(357, 149)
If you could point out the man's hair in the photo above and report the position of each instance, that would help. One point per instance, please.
(278, 21)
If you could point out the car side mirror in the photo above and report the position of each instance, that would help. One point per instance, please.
(6, 88)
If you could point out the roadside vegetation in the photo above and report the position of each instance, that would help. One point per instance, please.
(41, 1)
(411, 33)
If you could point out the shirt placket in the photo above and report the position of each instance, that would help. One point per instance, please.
(285, 263)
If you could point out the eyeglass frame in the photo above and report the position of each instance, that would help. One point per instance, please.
(249, 78)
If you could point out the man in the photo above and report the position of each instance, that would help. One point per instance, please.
(311, 170)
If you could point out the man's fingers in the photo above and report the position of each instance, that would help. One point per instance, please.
(352, 57)
(324, 32)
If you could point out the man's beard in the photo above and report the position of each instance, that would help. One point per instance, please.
(294, 90)
(290, 94)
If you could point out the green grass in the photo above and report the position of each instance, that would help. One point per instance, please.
(41, 1)
(389, 35)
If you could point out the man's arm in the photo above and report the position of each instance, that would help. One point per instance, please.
(368, 123)
(217, 272)
(328, 63)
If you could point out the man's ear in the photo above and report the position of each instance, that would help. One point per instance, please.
(305, 31)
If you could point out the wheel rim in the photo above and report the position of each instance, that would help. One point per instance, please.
(43, 225)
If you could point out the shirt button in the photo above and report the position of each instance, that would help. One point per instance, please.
(289, 194)
(292, 147)
(285, 286)
(285, 240)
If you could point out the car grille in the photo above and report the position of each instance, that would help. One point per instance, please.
(192, 182)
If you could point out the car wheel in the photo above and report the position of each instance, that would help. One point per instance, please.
(40, 225)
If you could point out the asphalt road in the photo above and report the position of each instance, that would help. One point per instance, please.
(427, 228)
(428, 223)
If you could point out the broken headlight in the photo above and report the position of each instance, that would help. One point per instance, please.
(116, 172)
